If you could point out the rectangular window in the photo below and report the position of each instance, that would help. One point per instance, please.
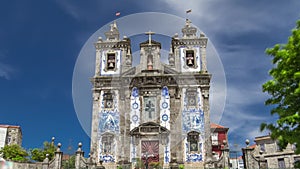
(214, 138)
(281, 163)
(278, 148)
(193, 138)
(108, 100)
(149, 109)
(262, 147)
(8, 141)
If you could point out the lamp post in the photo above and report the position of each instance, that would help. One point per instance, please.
(146, 163)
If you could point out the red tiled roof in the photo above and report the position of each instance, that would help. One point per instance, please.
(8, 126)
(213, 125)
(252, 146)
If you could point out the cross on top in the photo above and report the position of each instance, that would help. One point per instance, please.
(149, 33)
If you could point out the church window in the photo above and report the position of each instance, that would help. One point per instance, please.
(190, 58)
(108, 100)
(262, 147)
(191, 98)
(149, 108)
(150, 62)
(281, 163)
(107, 143)
(111, 61)
(193, 139)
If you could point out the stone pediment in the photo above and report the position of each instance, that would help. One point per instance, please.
(149, 128)
(129, 72)
(169, 70)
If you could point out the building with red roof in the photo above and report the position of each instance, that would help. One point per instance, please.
(218, 136)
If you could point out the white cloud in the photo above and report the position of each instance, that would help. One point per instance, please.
(6, 70)
(70, 8)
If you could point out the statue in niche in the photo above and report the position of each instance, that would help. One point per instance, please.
(150, 62)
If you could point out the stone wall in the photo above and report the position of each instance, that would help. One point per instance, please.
(17, 165)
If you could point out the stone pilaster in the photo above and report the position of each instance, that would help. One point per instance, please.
(79, 155)
(203, 59)
(95, 123)
(206, 109)
(58, 157)
(97, 65)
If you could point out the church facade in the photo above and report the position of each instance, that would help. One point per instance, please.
(153, 111)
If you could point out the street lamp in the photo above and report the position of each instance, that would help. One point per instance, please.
(146, 160)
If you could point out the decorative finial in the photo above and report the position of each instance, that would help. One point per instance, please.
(79, 146)
(52, 141)
(247, 142)
(58, 147)
(187, 23)
(115, 24)
(111, 27)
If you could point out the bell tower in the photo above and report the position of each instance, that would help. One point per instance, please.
(113, 57)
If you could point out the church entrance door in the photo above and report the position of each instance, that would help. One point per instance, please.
(150, 151)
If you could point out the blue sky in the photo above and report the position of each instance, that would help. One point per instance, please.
(41, 40)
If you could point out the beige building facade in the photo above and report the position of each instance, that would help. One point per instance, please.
(275, 156)
(10, 134)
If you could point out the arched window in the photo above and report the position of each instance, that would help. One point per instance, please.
(193, 139)
(107, 143)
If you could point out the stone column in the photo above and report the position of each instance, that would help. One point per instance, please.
(207, 144)
(249, 161)
(79, 155)
(262, 161)
(225, 154)
(95, 123)
(58, 157)
(90, 163)
(45, 163)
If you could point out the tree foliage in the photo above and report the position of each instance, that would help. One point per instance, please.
(284, 88)
(39, 154)
(69, 163)
(14, 152)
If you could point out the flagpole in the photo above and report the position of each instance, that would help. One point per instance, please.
(187, 12)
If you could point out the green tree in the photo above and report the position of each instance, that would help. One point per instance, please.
(284, 88)
(39, 154)
(69, 163)
(14, 152)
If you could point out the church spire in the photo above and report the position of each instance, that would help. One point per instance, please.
(113, 34)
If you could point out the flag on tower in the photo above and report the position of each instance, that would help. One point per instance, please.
(189, 11)
(118, 13)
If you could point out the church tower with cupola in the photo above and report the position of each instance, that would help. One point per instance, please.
(151, 112)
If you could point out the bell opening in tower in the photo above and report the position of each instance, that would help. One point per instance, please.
(190, 58)
(111, 61)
